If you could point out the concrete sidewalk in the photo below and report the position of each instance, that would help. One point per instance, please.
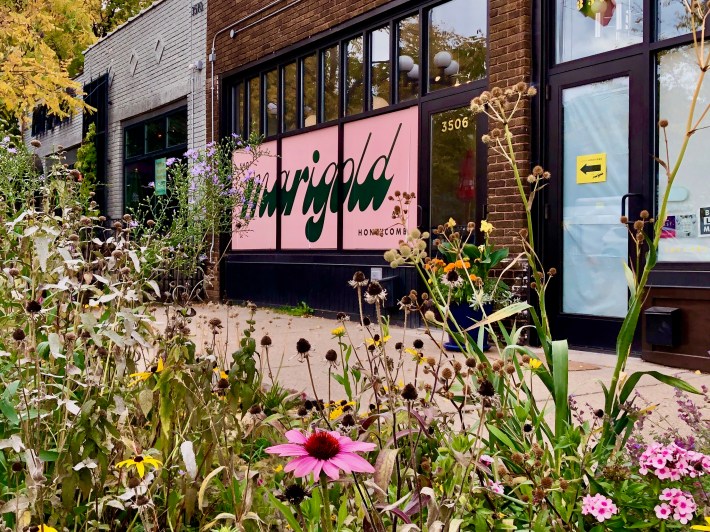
(587, 369)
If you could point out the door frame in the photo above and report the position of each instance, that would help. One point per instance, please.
(585, 330)
(427, 109)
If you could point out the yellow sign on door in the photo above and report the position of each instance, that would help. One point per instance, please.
(591, 168)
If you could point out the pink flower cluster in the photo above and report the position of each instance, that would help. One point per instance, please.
(680, 503)
(671, 462)
(598, 506)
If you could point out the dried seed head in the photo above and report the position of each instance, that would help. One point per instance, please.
(266, 340)
(222, 384)
(471, 362)
(255, 409)
(663, 122)
(133, 482)
(303, 346)
(331, 355)
(638, 225)
(409, 392)
(418, 343)
(348, 420)
(18, 335)
(644, 214)
(486, 388)
(33, 307)
(446, 373)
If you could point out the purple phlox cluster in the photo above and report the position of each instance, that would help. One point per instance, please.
(12, 150)
(215, 179)
(680, 505)
(171, 161)
(672, 462)
(151, 184)
(486, 460)
(5, 140)
(200, 168)
(688, 410)
(210, 149)
(192, 154)
(495, 487)
(599, 506)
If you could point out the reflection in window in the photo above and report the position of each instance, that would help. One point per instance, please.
(380, 68)
(290, 80)
(309, 86)
(453, 167)
(688, 220)
(589, 27)
(457, 43)
(237, 108)
(177, 129)
(331, 90)
(354, 77)
(673, 19)
(272, 102)
(135, 141)
(253, 116)
(155, 135)
(407, 57)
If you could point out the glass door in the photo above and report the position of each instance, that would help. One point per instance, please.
(596, 160)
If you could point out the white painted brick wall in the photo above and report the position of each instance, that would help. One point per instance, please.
(153, 84)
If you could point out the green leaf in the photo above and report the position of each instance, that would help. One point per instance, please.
(630, 278)
(633, 380)
(560, 378)
(502, 436)
(498, 315)
(9, 412)
(49, 456)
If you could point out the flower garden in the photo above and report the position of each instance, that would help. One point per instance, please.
(111, 422)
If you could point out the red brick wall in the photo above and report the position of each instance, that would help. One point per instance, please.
(510, 49)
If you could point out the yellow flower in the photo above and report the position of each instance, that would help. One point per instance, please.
(706, 526)
(340, 409)
(338, 332)
(46, 528)
(222, 374)
(377, 342)
(534, 363)
(451, 222)
(145, 375)
(486, 226)
(278, 468)
(139, 462)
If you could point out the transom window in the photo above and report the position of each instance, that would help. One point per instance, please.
(439, 46)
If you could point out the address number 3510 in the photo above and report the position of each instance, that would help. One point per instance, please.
(454, 124)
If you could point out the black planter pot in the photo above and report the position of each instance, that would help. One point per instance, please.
(465, 316)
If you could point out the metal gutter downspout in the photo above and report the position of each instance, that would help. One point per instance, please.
(213, 54)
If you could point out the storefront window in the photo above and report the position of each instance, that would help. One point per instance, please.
(354, 78)
(331, 88)
(177, 129)
(237, 108)
(155, 135)
(457, 43)
(380, 68)
(289, 95)
(407, 57)
(453, 167)
(589, 27)
(272, 102)
(253, 115)
(686, 235)
(135, 141)
(309, 86)
(673, 18)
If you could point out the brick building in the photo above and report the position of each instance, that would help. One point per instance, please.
(338, 86)
(147, 81)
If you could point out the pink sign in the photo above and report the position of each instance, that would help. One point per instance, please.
(380, 156)
(309, 206)
(261, 213)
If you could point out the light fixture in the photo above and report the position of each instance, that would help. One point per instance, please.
(406, 63)
(271, 108)
(442, 59)
(414, 72)
(452, 69)
(310, 120)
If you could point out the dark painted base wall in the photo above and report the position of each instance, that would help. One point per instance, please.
(693, 351)
(321, 280)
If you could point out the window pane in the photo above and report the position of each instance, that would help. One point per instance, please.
(380, 68)
(309, 87)
(457, 43)
(237, 108)
(272, 102)
(354, 77)
(177, 129)
(254, 124)
(689, 202)
(588, 27)
(155, 135)
(289, 74)
(331, 89)
(135, 141)
(673, 18)
(407, 58)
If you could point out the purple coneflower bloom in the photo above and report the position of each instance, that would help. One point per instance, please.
(323, 451)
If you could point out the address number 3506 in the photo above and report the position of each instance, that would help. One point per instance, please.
(454, 124)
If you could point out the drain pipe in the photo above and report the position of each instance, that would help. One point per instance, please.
(233, 33)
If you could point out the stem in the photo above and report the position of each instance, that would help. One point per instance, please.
(325, 505)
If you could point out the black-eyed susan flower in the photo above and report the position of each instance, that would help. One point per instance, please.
(377, 340)
(145, 375)
(140, 462)
(338, 332)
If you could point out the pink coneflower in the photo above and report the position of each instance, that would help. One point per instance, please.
(324, 451)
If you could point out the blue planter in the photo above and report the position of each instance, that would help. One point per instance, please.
(465, 316)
